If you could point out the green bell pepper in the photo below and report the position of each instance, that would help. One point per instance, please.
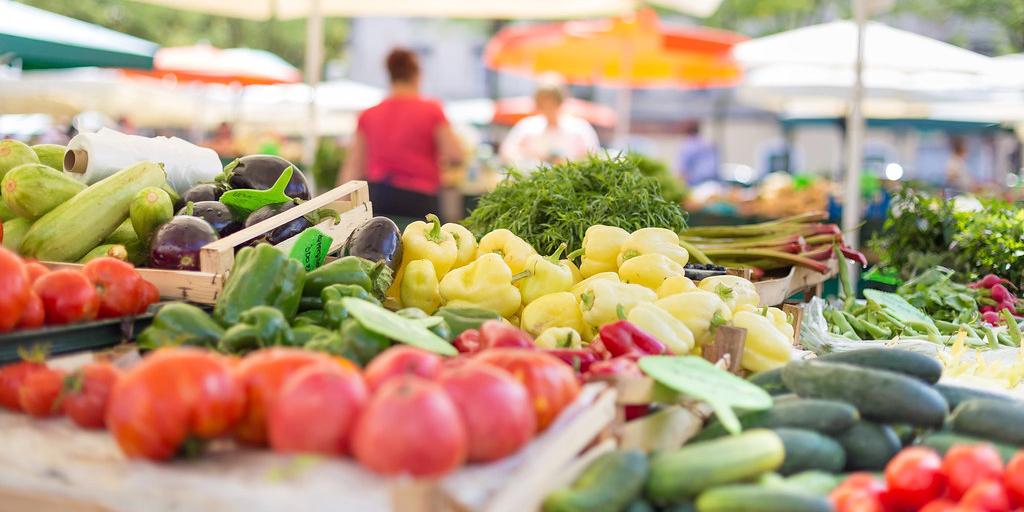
(178, 323)
(312, 317)
(463, 319)
(435, 324)
(261, 276)
(258, 327)
(334, 311)
(332, 343)
(310, 304)
(348, 270)
(303, 334)
(363, 344)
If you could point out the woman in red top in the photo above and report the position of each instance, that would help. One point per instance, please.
(401, 145)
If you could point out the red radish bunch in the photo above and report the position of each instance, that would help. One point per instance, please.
(998, 297)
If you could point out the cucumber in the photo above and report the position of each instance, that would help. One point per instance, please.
(905, 433)
(72, 229)
(51, 155)
(879, 395)
(14, 233)
(955, 395)
(808, 450)
(682, 506)
(150, 208)
(682, 474)
(868, 446)
(755, 498)
(113, 250)
(31, 190)
(997, 420)
(814, 482)
(826, 416)
(5, 213)
(124, 234)
(911, 364)
(610, 483)
(640, 506)
(943, 441)
(770, 381)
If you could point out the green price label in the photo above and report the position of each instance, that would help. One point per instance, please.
(311, 248)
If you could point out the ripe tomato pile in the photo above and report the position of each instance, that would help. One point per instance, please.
(31, 295)
(969, 478)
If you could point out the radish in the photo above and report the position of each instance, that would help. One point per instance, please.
(987, 309)
(989, 281)
(1001, 295)
(991, 317)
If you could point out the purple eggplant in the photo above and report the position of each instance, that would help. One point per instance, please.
(203, 192)
(280, 233)
(176, 243)
(377, 239)
(259, 172)
(215, 213)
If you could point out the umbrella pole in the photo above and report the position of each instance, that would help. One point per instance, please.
(855, 136)
(314, 63)
(623, 107)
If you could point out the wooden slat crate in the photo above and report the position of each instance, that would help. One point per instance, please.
(351, 201)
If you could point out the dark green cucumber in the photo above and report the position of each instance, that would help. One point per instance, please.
(770, 381)
(911, 364)
(881, 396)
(683, 506)
(684, 473)
(808, 450)
(943, 441)
(955, 395)
(755, 498)
(610, 483)
(987, 418)
(905, 433)
(825, 416)
(868, 446)
(640, 506)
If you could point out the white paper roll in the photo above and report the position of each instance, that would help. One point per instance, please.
(110, 151)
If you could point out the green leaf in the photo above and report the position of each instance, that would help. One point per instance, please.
(898, 307)
(381, 321)
(697, 378)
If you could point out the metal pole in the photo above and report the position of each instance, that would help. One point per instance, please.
(314, 63)
(855, 136)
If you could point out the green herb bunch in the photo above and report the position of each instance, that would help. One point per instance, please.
(556, 204)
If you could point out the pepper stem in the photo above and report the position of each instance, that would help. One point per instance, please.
(555, 256)
(587, 298)
(522, 275)
(620, 311)
(716, 320)
(434, 235)
(190, 208)
(575, 254)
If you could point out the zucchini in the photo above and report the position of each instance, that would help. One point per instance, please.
(868, 446)
(72, 229)
(682, 506)
(150, 208)
(911, 364)
(31, 190)
(14, 233)
(640, 506)
(879, 395)
(770, 381)
(814, 482)
(124, 234)
(808, 450)
(51, 155)
(826, 416)
(610, 483)
(682, 474)
(755, 498)
(943, 441)
(905, 433)
(955, 395)
(112, 250)
(997, 420)
(5, 213)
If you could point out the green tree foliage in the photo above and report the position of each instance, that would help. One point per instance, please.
(1007, 13)
(172, 27)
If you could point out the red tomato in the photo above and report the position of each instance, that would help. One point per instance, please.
(14, 289)
(172, 395)
(410, 427)
(941, 505)
(67, 296)
(118, 285)
(401, 360)
(39, 392)
(1013, 477)
(33, 315)
(11, 378)
(551, 383)
(261, 375)
(494, 407)
(148, 294)
(915, 477)
(860, 492)
(35, 270)
(966, 465)
(986, 496)
(317, 409)
(87, 394)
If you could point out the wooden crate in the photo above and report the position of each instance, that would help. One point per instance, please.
(799, 279)
(351, 201)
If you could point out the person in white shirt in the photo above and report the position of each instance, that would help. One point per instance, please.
(550, 136)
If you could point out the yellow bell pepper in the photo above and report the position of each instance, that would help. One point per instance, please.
(557, 309)
(653, 240)
(465, 243)
(734, 290)
(559, 337)
(585, 285)
(601, 245)
(765, 348)
(674, 285)
(701, 311)
(514, 250)
(544, 275)
(420, 287)
(576, 275)
(426, 241)
(650, 270)
(485, 283)
(781, 322)
(663, 326)
(601, 303)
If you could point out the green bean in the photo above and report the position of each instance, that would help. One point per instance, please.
(844, 325)
(1012, 327)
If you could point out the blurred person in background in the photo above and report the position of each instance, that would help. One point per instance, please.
(401, 145)
(125, 125)
(698, 158)
(223, 141)
(551, 136)
(958, 176)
